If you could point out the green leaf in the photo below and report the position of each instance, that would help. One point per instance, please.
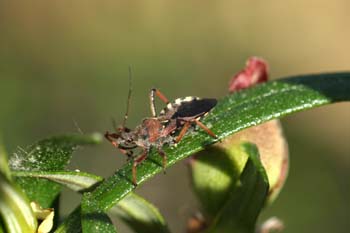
(95, 221)
(51, 154)
(4, 167)
(140, 215)
(100, 223)
(233, 113)
(133, 209)
(2, 228)
(77, 181)
(72, 224)
(15, 210)
(241, 210)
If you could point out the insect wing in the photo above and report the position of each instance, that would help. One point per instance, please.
(194, 108)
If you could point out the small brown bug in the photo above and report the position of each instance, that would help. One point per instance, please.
(156, 131)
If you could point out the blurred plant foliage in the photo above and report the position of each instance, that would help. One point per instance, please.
(35, 174)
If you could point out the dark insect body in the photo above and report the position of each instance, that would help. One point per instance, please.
(156, 131)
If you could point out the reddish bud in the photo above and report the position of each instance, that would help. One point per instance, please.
(256, 71)
(214, 178)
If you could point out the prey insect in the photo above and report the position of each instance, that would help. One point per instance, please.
(168, 127)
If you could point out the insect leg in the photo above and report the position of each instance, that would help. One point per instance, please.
(160, 95)
(162, 153)
(188, 124)
(137, 161)
(205, 128)
(183, 131)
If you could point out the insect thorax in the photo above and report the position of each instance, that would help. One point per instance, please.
(173, 107)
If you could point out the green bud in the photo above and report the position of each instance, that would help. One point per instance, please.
(216, 170)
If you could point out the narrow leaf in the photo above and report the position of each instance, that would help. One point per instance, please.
(2, 228)
(4, 167)
(51, 154)
(100, 222)
(233, 113)
(140, 215)
(95, 221)
(77, 181)
(15, 209)
(72, 224)
(133, 209)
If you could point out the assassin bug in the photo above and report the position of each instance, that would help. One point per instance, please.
(158, 130)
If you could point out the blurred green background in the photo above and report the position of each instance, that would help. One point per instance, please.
(64, 66)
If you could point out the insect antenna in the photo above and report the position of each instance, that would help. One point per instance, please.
(114, 124)
(129, 98)
(77, 127)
